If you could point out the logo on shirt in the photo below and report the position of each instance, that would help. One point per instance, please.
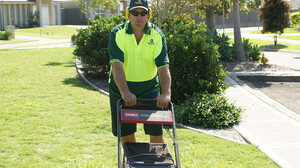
(151, 42)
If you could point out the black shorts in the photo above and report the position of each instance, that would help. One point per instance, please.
(130, 128)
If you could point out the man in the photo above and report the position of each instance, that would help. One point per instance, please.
(139, 68)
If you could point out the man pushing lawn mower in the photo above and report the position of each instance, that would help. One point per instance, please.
(139, 70)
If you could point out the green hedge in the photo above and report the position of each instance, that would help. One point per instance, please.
(194, 57)
(92, 45)
(295, 17)
(208, 110)
(6, 35)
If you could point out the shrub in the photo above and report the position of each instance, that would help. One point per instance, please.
(92, 45)
(208, 110)
(6, 35)
(295, 17)
(222, 41)
(34, 20)
(252, 51)
(194, 59)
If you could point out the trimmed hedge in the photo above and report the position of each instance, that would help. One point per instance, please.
(194, 59)
(6, 35)
(92, 45)
(295, 17)
(208, 110)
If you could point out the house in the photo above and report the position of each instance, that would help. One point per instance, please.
(52, 12)
(17, 12)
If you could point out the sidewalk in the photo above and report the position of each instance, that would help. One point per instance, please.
(270, 126)
(38, 43)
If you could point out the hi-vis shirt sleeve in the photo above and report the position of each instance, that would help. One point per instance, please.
(115, 48)
(162, 59)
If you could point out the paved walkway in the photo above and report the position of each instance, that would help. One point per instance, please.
(270, 126)
(38, 42)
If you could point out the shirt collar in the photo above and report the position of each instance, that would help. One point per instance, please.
(129, 28)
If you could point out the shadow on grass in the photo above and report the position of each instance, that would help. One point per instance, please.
(76, 82)
(66, 64)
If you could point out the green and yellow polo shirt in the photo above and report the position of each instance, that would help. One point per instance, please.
(140, 62)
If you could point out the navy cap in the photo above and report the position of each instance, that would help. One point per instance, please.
(138, 4)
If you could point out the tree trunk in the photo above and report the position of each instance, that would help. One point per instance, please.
(210, 18)
(238, 43)
(275, 39)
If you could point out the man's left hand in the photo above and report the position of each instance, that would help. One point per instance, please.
(163, 101)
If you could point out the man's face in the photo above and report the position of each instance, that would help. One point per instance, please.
(137, 19)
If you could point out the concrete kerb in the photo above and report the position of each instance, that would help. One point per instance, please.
(79, 65)
(81, 74)
(280, 50)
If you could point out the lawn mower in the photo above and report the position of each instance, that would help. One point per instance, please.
(147, 155)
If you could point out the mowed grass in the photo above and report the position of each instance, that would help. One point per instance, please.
(54, 32)
(270, 44)
(286, 30)
(50, 118)
(14, 41)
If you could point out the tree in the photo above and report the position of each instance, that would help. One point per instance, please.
(94, 5)
(164, 9)
(275, 17)
(238, 43)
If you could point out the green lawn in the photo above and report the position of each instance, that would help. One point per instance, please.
(290, 37)
(50, 118)
(270, 44)
(54, 32)
(287, 30)
(14, 41)
(36, 45)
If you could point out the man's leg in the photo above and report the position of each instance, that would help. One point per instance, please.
(128, 138)
(156, 139)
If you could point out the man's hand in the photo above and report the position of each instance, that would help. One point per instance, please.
(163, 101)
(129, 99)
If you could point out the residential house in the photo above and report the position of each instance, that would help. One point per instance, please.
(17, 12)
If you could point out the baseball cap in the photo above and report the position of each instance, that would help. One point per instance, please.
(138, 4)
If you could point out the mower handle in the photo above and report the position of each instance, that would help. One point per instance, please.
(143, 102)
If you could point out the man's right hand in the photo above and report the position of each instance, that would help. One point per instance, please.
(129, 99)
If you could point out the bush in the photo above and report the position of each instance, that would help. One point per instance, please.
(92, 45)
(34, 20)
(194, 59)
(295, 17)
(222, 41)
(208, 110)
(252, 51)
(6, 35)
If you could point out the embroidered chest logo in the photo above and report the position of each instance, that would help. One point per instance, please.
(151, 42)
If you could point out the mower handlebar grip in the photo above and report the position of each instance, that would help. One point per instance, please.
(141, 102)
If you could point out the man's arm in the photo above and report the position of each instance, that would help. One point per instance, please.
(120, 79)
(165, 83)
